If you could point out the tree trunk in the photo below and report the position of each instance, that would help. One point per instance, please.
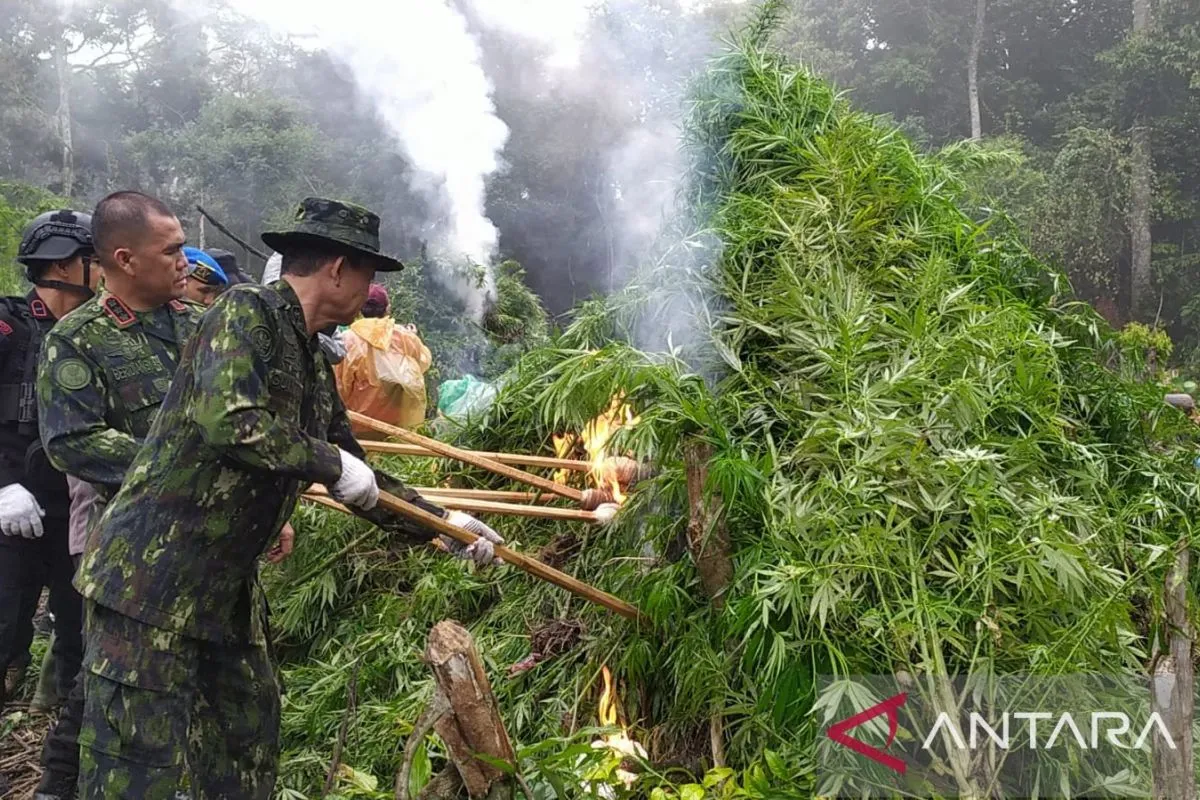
(1172, 689)
(473, 724)
(1140, 194)
(62, 69)
(973, 70)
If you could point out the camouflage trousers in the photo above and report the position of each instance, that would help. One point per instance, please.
(166, 713)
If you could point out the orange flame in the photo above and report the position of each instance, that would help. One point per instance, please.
(619, 743)
(596, 435)
(563, 445)
(609, 701)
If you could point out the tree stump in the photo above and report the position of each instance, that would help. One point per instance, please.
(473, 724)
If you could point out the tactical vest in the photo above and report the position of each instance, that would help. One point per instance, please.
(18, 397)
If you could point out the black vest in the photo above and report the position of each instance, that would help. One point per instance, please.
(31, 320)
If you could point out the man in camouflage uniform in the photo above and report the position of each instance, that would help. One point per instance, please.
(105, 369)
(181, 690)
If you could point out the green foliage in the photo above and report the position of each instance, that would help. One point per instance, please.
(930, 458)
(19, 203)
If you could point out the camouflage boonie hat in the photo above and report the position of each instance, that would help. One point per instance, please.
(333, 222)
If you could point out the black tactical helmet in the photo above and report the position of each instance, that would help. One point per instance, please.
(56, 236)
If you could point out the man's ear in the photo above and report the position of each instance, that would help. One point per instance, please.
(123, 257)
(337, 269)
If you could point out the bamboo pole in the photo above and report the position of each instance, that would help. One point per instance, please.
(319, 494)
(512, 459)
(467, 457)
(487, 494)
(515, 509)
(521, 561)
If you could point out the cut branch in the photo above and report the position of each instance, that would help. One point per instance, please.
(1172, 695)
(474, 725)
(708, 540)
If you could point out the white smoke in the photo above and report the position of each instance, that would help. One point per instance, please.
(420, 63)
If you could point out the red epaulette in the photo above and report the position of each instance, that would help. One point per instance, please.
(119, 312)
(38, 309)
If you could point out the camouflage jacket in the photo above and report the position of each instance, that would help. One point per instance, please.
(253, 417)
(103, 374)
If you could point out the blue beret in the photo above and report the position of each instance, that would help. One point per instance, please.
(204, 267)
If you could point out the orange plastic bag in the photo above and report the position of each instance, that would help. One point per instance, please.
(383, 373)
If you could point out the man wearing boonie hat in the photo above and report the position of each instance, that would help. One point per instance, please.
(176, 629)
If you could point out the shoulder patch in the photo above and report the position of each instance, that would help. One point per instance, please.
(72, 374)
(119, 312)
(38, 309)
(262, 339)
(5, 328)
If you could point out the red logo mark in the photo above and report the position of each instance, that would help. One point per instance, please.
(837, 732)
(5, 328)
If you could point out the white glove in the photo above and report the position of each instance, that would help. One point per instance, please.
(482, 551)
(20, 514)
(357, 486)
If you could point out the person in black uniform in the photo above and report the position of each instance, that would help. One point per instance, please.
(56, 251)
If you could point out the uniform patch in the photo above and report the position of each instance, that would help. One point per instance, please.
(119, 312)
(5, 328)
(72, 374)
(262, 339)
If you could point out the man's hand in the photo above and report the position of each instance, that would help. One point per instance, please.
(357, 486)
(482, 551)
(283, 548)
(20, 514)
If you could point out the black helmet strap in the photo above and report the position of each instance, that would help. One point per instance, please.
(84, 289)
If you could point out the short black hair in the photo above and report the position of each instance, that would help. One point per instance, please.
(306, 259)
(121, 213)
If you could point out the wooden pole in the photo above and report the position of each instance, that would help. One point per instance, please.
(514, 509)
(708, 539)
(487, 494)
(525, 563)
(1173, 685)
(512, 459)
(454, 503)
(229, 233)
(467, 457)
(317, 490)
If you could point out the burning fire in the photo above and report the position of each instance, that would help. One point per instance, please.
(609, 712)
(563, 445)
(596, 435)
